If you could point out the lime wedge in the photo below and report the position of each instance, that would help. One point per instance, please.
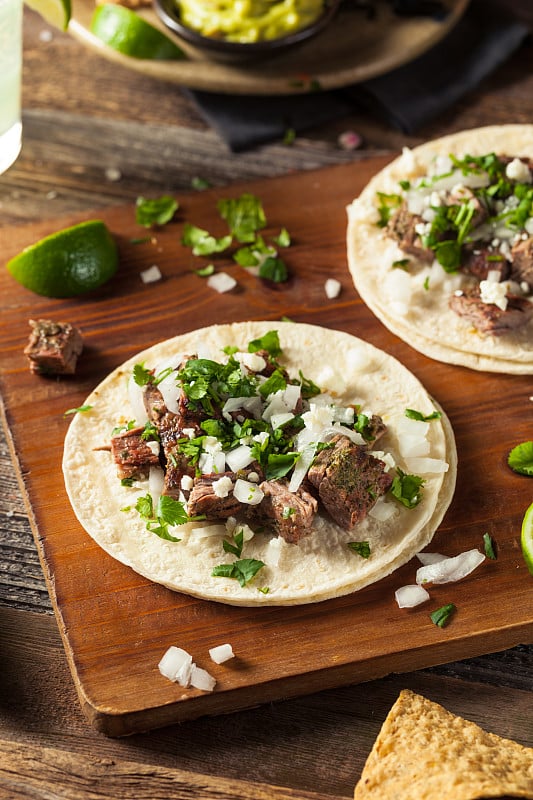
(125, 31)
(67, 263)
(526, 538)
(56, 12)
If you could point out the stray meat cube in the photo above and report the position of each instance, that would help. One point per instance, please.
(53, 347)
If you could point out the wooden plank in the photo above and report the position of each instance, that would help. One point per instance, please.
(113, 652)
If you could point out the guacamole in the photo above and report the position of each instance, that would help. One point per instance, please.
(249, 20)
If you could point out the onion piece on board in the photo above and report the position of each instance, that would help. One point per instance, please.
(410, 596)
(221, 653)
(450, 569)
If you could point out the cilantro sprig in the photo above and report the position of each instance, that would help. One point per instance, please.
(157, 211)
(407, 489)
(167, 513)
(520, 459)
(242, 571)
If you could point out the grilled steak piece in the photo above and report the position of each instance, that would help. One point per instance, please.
(489, 318)
(203, 501)
(132, 455)
(349, 480)
(402, 227)
(290, 514)
(53, 347)
(478, 261)
(522, 262)
(375, 429)
(170, 427)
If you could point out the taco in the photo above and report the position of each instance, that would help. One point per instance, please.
(440, 248)
(261, 464)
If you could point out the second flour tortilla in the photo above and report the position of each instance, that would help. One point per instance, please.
(429, 325)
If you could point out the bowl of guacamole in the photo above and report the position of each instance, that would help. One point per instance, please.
(245, 29)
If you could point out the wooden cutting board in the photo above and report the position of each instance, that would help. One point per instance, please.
(115, 624)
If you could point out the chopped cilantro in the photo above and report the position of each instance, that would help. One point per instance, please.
(411, 413)
(199, 183)
(236, 546)
(280, 464)
(202, 242)
(169, 512)
(244, 216)
(489, 546)
(361, 548)
(158, 211)
(388, 203)
(127, 482)
(141, 375)
(205, 272)
(289, 136)
(402, 263)
(242, 571)
(274, 383)
(269, 342)
(407, 489)
(274, 269)
(308, 388)
(283, 239)
(520, 459)
(442, 615)
(78, 410)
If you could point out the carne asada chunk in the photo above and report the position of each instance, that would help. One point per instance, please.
(522, 262)
(206, 502)
(374, 429)
(488, 317)
(402, 227)
(479, 261)
(132, 454)
(290, 514)
(349, 480)
(53, 347)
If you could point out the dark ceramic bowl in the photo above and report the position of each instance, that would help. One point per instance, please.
(223, 50)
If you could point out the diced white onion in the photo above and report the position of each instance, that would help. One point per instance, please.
(332, 288)
(411, 596)
(221, 653)
(430, 558)
(450, 569)
(206, 532)
(273, 551)
(135, 396)
(411, 446)
(156, 482)
(186, 483)
(176, 665)
(201, 679)
(223, 486)
(246, 492)
(221, 282)
(405, 426)
(382, 510)
(154, 447)
(212, 463)
(151, 275)
(277, 420)
(427, 466)
(171, 391)
(302, 465)
(239, 458)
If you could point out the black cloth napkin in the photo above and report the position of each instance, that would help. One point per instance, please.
(406, 98)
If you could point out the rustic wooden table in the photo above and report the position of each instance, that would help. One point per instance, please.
(96, 135)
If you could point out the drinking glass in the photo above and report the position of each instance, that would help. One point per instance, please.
(10, 81)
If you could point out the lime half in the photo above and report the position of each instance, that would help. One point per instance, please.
(526, 538)
(67, 263)
(56, 12)
(125, 31)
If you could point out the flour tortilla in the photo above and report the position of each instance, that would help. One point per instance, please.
(309, 571)
(424, 751)
(429, 325)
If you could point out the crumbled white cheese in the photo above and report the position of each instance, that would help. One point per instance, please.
(517, 170)
(494, 293)
(186, 483)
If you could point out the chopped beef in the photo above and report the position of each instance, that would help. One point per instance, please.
(132, 454)
(203, 501)
(170, 427)
(522, 262)
(489, 318)
(375, 429)
(290, 514)
(53, 347)
(402, 227)
(479, 261)
(349, 480)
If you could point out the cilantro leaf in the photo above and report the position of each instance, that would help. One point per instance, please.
(242, 571)
(407, 489)
(411, 413)
(202, 242)
(158, 211)
(388, 203)
(283, 239)
(273, 384)
(361, 548)
(269, 342)
(280, 464)
(78, 410)
(442, 615)
(489, 546)
(274, 269)
(236, 547)
(141, 375)
(520, 459)
(244, 216)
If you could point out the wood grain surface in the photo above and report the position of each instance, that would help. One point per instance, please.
(113, 653)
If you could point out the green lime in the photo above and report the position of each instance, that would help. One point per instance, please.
(67, 263)
(127, 32)
(526, 538)
(56, 12)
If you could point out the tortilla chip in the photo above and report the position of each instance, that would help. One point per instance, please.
(427, 753)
